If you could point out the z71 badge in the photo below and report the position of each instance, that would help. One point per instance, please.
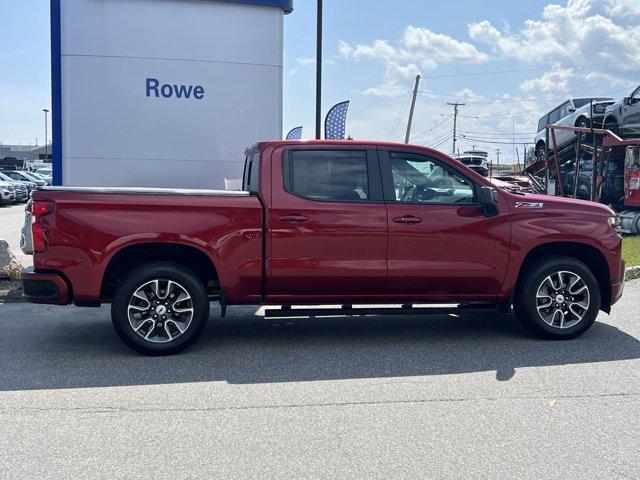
(529, 204)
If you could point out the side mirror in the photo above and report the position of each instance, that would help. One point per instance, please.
(626, 100)
(488, 197)
(571, 109)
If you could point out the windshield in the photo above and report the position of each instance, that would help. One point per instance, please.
(5, 178)
(581, 102)
(30, 177)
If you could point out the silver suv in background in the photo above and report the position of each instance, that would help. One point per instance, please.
(623, 117)
(7, 193)
(575, 112)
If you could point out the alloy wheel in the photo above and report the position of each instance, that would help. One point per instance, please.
(563, 299)
(161, 310)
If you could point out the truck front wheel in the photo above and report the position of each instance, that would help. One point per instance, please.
(557, 299)
(160, 309)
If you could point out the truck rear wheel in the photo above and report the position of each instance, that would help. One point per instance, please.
(160, 309)
(558, 299)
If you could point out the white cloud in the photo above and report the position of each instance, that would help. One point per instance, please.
(623, 8)
(577, 33)
(418, 45)
(555, 81)
(419, 49)
(305, 61)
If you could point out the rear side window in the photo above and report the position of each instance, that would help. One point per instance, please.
(330, 175)
(542, 123)
(251, 178)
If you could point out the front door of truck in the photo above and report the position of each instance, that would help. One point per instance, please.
(327, 225)
(441, 245)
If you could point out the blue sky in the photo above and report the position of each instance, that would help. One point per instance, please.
(374, 49)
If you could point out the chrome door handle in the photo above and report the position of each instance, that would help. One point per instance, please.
(407, 219)
(293, 218)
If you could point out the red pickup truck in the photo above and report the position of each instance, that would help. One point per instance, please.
(324, 222)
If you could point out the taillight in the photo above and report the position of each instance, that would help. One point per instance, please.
(38, 232)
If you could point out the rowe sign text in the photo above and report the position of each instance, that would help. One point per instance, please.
(154, 89)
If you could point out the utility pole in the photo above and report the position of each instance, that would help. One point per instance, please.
(413, 107)
(46, 133)
(498, 152)
(455, 122)
(319, 72)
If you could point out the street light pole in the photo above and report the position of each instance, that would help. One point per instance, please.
(319, 72)
(46, 133)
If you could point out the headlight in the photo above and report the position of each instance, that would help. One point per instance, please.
(615, 222)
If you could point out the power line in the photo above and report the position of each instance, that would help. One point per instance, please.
(396, 122)
(480, 140)
(444, 141)
(423, 132)
(523, 70)
(437, 138)
(521, 134)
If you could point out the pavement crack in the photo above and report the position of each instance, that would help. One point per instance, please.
(146, 409)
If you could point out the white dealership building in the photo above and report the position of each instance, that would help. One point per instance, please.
(163, 93)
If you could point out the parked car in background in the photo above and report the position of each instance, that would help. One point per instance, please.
(575, 112)
(623, 117)
(476, 160)
(46, 173)
(24, 176)
(25, 188)
(7, 193)
(41, 177)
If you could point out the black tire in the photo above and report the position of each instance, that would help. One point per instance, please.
(612, 126)
(193, 322)
(526, 301)
(583, 122)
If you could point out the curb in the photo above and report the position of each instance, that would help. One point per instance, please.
(632, 273)
(11, 296)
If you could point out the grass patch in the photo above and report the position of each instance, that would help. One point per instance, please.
(631, 250)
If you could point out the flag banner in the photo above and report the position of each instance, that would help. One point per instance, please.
(335, 124)
(295, 134)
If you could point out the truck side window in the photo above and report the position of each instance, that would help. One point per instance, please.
(334, 175)
(425, 181)
(251, 178)
(542, 123)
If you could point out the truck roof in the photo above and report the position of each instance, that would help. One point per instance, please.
(260, 146)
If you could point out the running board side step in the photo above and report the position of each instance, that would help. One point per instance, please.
(288, 312)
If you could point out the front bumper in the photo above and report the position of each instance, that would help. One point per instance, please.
(617, 287)
(7, 197)
(49, 288)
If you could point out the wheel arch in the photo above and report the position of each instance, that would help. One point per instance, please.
(591, 256)
(582, 117)
(133, 255)
(610, 118)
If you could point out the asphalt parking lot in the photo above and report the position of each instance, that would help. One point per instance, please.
(440, 397)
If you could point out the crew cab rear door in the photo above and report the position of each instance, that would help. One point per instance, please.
(327, 225)
(441, 245)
